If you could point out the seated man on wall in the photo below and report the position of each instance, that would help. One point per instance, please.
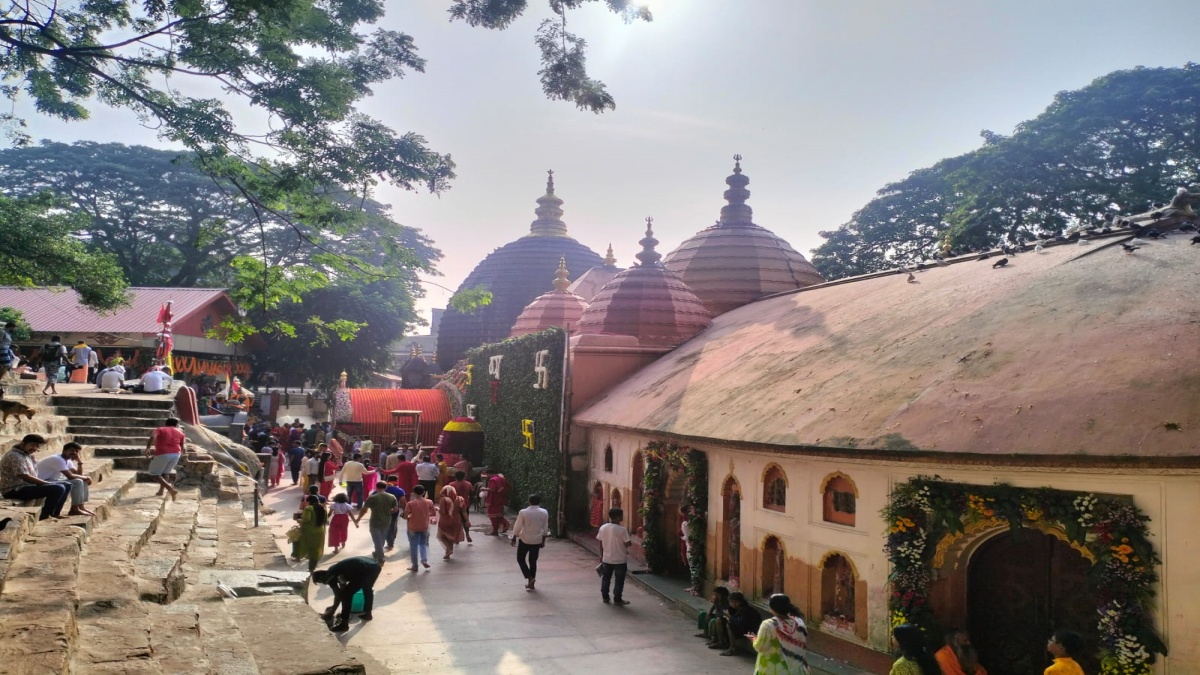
(154, 382)
(18, 478)
(68, 468)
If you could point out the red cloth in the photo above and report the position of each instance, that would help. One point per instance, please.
(339, 529)
(168, 441)
(330, 470)
(497, 498)
(406, 476)
(597, 512)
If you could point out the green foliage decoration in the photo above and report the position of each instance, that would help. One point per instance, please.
(661, 458)
(926, 509)
(22, 331)
(538, 470)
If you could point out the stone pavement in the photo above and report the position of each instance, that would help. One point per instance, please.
(472, 614)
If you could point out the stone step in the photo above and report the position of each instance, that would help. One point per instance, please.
(113, 626)
(270, 625)
(118, 428)
(111, 439)
(114, 402)
(80, 423)
(93, 412)
(38, 589)
(41, 423)
(136, 450)
(158, 570)
(177, 640)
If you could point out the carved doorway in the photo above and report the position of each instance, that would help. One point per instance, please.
(1020, 589)
(731, 496)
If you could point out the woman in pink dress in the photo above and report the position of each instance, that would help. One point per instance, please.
(450, 523)
(497, 500)
(370, 478)
(339, 521)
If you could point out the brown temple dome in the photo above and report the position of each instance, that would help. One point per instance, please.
(648, 302)
(591, 281)
(516, 274)
(559, 307)
(735, 262)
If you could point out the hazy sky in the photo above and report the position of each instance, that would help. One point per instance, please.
(826, 101)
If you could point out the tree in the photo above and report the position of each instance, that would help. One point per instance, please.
(300, 66)
(22, 331)
(37, 248)
(1125, 141)
(319, 354)
(168, 224)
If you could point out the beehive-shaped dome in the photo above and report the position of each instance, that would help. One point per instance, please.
(515, 273)
(590, 282)
(560, 307)
(647, 301)
(735, 261)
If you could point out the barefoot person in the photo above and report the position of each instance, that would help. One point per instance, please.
(18, 478)
(381, 506)
(462, 488)
(497, 501)
(782, 640)
(614, 556)
(450, 524)
(418, 512)
(167, 444)
(67, 468)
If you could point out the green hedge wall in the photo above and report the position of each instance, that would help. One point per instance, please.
(528, 471)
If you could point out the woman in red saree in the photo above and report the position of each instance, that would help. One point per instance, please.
(497, 500)
(328, 470)
(450, 523)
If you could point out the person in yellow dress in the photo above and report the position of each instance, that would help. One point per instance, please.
(914, 659)
(1064, 646)
(443, 478)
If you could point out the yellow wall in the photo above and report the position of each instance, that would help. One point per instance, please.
(1170, 499)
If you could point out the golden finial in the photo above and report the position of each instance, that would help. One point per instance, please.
(560, 278)
(609, 259)
(648, 256)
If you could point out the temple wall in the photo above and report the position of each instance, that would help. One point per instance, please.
(1170, 499)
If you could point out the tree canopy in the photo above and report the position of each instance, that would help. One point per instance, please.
(1114, 147)
(38, 248)
(284, 132)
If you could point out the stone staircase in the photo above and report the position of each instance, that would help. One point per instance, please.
(133, 589)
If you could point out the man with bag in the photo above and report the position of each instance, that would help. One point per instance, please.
(54, 357)
(529, 536)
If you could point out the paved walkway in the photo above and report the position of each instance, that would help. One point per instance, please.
(472, 614)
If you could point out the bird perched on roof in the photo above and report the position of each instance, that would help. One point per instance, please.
(1038, 248)
(4, 523)
(1000, 263)
(1195, 240)
(1156, 215)
(1128, 248)
(1007, 251)
(983, 256)
(911, 279)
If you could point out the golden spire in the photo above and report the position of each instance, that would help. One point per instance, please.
(549, 213)
(560, 278)
(648, 256)
(609, 260)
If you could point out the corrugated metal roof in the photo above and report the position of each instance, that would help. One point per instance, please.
(373, 410)
(58, 310)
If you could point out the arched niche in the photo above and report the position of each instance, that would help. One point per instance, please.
(771, 579)
(774, 488)
(839, 499)
(839, 588)
(731, 523)
(608, 458)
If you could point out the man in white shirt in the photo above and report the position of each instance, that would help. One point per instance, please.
(427, 475)
(68, 469)
(529, 536)
(614, 556)
(154, 382)
(111, 379)
(352, 474)
(93, 364)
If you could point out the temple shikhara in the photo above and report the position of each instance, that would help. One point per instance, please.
(1010, 449)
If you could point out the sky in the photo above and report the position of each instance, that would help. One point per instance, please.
(827, 101)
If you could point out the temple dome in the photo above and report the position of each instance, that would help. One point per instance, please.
(735, 262)
(560, 307)
(591, 281)
(646, 301)
(516, 274)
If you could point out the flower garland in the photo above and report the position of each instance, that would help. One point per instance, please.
(343, 411)
(926, 509)
(660, 458)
